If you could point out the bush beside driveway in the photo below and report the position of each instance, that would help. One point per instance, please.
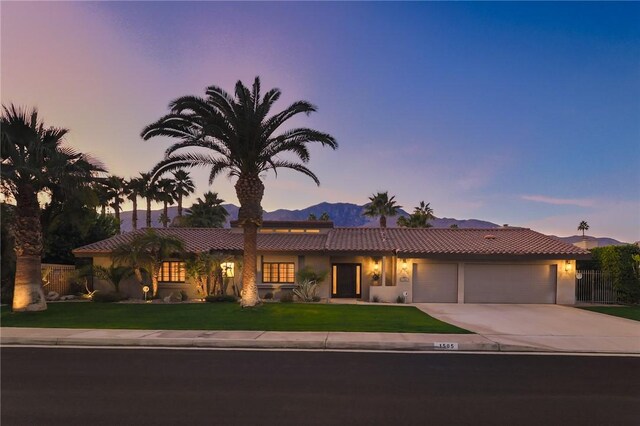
(628, 312)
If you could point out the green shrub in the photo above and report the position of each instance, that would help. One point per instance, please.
(619, 263)
(220, 298)
(184, 295)
(268, 295)
(400, 299)
(286, 297)
(108, 297)
(375, 299)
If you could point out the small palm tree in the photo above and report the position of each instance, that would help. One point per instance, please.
(206, 212)
(183, 187)
(114, 274)
(420, 217)
(312, 216)
(146, 252)
(135, 188)
(166, 195)
(325, 217)
(584, 226)
(33, 161)
(243, 140)
(381, 205)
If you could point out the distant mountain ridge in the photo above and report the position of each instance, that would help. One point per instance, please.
(343, 215)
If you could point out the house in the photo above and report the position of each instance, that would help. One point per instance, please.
(499, 265)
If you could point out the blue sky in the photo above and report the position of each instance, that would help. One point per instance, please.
(519, 113)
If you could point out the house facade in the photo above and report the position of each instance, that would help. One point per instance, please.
(498, 265)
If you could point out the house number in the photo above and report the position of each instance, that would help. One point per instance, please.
(446, 345)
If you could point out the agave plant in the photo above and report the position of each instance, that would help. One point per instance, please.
(307, 291)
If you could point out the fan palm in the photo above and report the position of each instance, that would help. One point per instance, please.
(420, 217)
(149, 193)
(34, 161)
(166, 195)
(242, 140)
(116, 190)
(146, 252)
(381, 205)
(584, 226)
(136, 187)
(207, 212)
(183, 187)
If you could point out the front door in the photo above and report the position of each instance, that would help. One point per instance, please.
(346, 280)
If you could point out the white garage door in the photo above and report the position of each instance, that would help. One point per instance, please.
(509, 283)
(435, 282)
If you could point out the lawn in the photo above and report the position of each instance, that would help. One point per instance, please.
(229, 316)
(629, 312)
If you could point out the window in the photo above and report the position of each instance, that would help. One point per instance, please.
(278, 272)
(172, 272)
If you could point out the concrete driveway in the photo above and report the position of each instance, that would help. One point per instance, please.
(554, 327)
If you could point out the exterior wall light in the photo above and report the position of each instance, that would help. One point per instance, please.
(404, 265)
(567, 266)
(375, 265)
(227, 269)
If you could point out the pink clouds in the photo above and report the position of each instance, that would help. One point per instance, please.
(580, 202)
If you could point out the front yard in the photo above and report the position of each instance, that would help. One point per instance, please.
(629, 312)
(229, 316)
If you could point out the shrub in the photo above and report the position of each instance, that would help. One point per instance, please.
(307, 291)
(108, 297)
(184, 295)
(220, 298)
(268, 296)
(619, 263)
(375, 299)
(308, 274)
(400, 299)
(286, 298)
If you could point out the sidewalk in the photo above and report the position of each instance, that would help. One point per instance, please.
(309, 340)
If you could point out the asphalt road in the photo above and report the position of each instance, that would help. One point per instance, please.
(156, 387)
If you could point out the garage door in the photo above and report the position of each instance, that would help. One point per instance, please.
(435, 282)
(509, 283)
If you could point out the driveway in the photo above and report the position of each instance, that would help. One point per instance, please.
(554, 327)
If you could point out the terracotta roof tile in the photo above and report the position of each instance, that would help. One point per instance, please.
(403, 241)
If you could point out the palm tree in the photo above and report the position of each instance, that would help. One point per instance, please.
(206, 212)
(146, 252)
(166, 194)
(381, 205)
(102, 193)
(183, 187)
(241, 139)
(584, 226)
(420, 217)
(149, 193)
(116, 190)
(312, 216)
(114, 274)
(33, 161)
(136, 187)
(325, 217)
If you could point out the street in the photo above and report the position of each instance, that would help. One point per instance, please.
(68, 386)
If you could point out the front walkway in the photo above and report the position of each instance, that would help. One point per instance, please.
(541, 327)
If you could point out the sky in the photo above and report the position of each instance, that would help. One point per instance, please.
(518, 113)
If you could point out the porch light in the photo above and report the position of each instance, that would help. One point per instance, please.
(227, 269)
(567, 265)
(404, 265)
(375, 265)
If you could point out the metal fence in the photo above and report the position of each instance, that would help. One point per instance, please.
(595, 287)
(57, 278)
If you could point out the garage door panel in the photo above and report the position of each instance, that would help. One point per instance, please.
(435, 282)
(510, 283)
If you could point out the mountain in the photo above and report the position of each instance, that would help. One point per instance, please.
(342, 214)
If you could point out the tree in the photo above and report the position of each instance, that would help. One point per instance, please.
(206, 212)
(420, 217)
(146, 252)
(312, 216)
(583, 226)
(114, 274)
(34, 161)
(183, 187)
(381, 205)
(136, 187)
(325, 217)
(243, 140)
(454, 226)
(116, 190)
(102, 192)
(205, 269)
(166, 195)
(149, 193)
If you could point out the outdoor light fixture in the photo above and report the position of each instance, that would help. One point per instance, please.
(404, 265)
(375, 265)
(567, 265)
(227, 269)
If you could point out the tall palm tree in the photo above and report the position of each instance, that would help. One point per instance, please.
(381, 205)
(116, 190)
(207, 212)
(584, 226)
(241, 139)
(149, 193)
(183, 187)
(136, 186)
(102, 193)
(146, 252)
(33, 161)
(166, 195)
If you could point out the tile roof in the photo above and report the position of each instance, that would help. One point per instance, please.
(403, 241)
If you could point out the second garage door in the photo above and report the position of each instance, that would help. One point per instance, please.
(509, 283)
(435, 282)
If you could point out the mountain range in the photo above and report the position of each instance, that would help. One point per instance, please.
(342, 215)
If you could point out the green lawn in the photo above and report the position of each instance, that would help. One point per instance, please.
(229, 316)
(629, 312)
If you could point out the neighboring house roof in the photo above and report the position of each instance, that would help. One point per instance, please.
(508, 241)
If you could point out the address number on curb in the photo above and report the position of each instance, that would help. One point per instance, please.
(446, 345)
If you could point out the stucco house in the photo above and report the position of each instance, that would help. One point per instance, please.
(499, 265)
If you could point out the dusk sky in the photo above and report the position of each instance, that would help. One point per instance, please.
(518, 113)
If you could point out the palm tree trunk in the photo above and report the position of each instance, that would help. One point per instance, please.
(180, 205)
(134, 214)
(117, 208)
(28, 294)
(103, 209)
(148, 212)
(383, 221)
(249, 190)
(165, 211)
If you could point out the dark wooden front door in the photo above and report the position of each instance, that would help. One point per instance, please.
(347, 280)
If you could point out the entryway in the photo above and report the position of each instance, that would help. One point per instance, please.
(346, 280)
